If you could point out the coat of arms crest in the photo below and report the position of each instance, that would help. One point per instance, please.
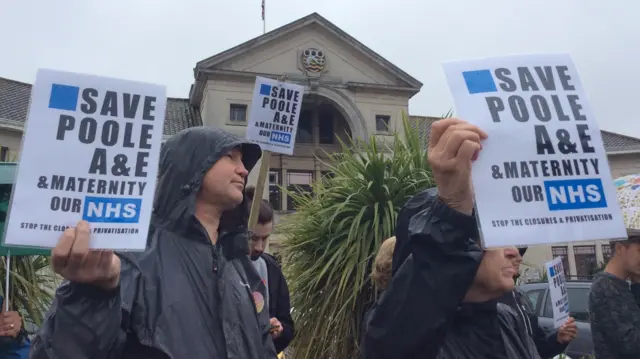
(313, 60)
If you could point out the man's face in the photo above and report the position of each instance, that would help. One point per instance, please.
(631, 257)
(515, 262)
(223, 184)
(496, 271)
(259, 238)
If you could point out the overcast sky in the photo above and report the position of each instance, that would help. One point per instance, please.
(160, 40)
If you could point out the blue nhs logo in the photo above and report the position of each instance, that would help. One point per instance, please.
(575, 194)
(111, 210)
(280, 137)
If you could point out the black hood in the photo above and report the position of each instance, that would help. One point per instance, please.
(184, 160)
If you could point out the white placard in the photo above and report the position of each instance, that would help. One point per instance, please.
(275, 111)
(542, 176)
(558, 291)
(90, 151)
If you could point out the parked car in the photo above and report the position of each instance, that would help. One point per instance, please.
(578, 293)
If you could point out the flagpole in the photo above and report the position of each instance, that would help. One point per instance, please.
(264, 22)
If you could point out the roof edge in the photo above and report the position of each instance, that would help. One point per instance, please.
(302, 22)
(621, 135)
(11, 125)
(15, 81)
(622, 152)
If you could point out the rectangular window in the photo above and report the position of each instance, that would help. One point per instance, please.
(535, 297)
(305, 128)
(298, 181)
(4, 154)
(586, 262)
(325, 128)
(275, 197)
(238, 112)
(382, 123)
(606, 253)
(562, 252)
(579, 303)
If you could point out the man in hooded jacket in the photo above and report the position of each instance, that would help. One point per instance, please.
(442, 299)
(192, 294)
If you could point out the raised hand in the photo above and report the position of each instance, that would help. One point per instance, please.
(453, 145)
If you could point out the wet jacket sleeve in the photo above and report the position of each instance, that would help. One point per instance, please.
(269, 348)
(283, 314)
(411, 317)
(84, 322)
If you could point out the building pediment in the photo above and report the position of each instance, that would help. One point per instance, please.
(311, 48)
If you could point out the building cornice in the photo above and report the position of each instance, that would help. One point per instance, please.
(214, 74)
(10, 125)
(623, 152)
(357, 86)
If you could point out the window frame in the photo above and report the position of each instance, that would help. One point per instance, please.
(326, 114)
(238, 106)
(294, 187)
(383, 117)
(547, 309)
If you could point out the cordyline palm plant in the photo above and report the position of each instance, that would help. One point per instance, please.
(330, 241)
(31, 286)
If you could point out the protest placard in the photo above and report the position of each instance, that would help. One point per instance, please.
(275, 109)
(542, 175)
(90, 151)
(558, 291)
(273, 124)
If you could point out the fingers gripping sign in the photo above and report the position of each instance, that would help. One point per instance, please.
(73, 260)
(454, 142)
(453, 146)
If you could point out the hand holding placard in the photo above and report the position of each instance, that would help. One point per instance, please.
(74, 261)
(568, 331)
(453, 145)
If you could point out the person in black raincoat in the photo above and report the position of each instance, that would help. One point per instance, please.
(442, 299)
(193, 293)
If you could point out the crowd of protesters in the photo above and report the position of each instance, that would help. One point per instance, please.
(205, 287)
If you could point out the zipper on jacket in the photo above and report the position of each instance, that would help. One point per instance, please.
(215, 250)
(214, 255)
(527, 323)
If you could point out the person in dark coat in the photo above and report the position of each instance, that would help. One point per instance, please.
(193, 293)
(442, 299)
(548, 345)
(271, 273)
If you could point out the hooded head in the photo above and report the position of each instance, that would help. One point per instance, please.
(185, 163)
